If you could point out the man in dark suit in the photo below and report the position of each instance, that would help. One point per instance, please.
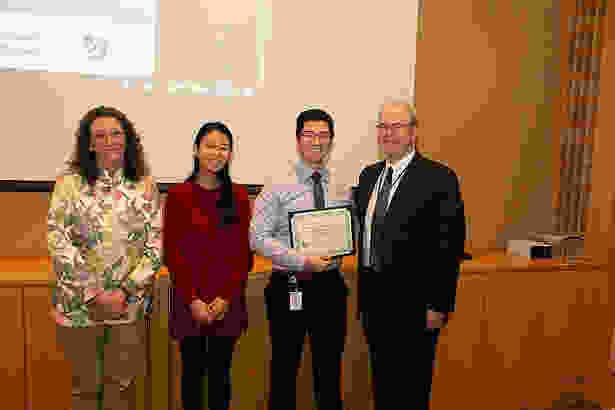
(411, 240)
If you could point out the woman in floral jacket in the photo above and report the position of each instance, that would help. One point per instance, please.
(104, 240)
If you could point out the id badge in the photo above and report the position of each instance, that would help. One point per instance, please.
(295, 301)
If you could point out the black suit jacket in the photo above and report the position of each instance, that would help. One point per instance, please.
(423, 239)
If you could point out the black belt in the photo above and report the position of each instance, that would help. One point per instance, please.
(287, 273)
(284, 276)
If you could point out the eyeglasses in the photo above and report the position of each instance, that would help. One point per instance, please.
(115, 135)
(311, 135)
(393, 127)
(220, 149)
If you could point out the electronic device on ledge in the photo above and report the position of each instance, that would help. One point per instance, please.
(530, 249)
(565, 245)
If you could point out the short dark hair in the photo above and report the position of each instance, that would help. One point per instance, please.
(314, 114)
(84, 160)
(226, 204)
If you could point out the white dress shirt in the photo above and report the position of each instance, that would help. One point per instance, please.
(398, 169)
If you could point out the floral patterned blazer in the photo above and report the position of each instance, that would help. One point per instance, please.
(103, 236)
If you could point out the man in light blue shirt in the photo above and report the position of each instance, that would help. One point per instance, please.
(305, 293)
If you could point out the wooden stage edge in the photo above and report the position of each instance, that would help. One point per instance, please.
(37, 270)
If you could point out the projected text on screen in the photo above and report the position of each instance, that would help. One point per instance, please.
(114, 38)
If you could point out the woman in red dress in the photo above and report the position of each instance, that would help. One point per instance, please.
(206, 249)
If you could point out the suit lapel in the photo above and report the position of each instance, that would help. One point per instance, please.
(406, 182)
(372, 178)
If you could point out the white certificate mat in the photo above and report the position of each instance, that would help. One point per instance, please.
(112, 38)
(323, 232)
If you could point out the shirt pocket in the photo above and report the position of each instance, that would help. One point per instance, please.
(88, 209)
(132, 228)
(286, 208)
(296, 201)
(129, 208)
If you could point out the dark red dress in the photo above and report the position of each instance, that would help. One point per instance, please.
(206, 260)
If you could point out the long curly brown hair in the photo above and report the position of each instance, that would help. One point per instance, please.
(83, 160)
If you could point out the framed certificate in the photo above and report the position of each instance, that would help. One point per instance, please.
(323, 232)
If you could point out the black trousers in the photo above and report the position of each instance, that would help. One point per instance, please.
(211, 356)
(402, 351)
(324, 319)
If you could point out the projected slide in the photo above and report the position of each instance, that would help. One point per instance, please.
(111, 38)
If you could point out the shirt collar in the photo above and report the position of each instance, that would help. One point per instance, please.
(304, 172)
(402, 164)
(105, 174)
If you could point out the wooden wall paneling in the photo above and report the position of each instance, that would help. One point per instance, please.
(600, 231)
(158, 333)
(49, 375)
(12, 352)
(23, 217)
(463, 353)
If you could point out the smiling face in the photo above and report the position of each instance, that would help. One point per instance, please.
(314, 142)
(213, 153)
(396, 135)
(108, 140)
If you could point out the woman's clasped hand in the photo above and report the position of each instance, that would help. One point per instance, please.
(208, 312)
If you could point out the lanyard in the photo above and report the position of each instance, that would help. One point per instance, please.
(381, 179)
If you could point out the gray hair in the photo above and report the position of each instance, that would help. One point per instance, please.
(404, 102)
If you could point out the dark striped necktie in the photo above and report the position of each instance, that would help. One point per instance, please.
(378, 219)
(319, 194)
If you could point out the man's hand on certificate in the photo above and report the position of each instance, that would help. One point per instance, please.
(435, 320)
(323, 263)
(319, 263)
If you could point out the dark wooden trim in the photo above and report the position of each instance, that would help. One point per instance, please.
(26, 186)
(47, 186)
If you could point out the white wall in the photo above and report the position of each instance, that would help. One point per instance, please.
(345, 56)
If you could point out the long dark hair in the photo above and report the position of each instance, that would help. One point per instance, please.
(84, 160)
(226, 204)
